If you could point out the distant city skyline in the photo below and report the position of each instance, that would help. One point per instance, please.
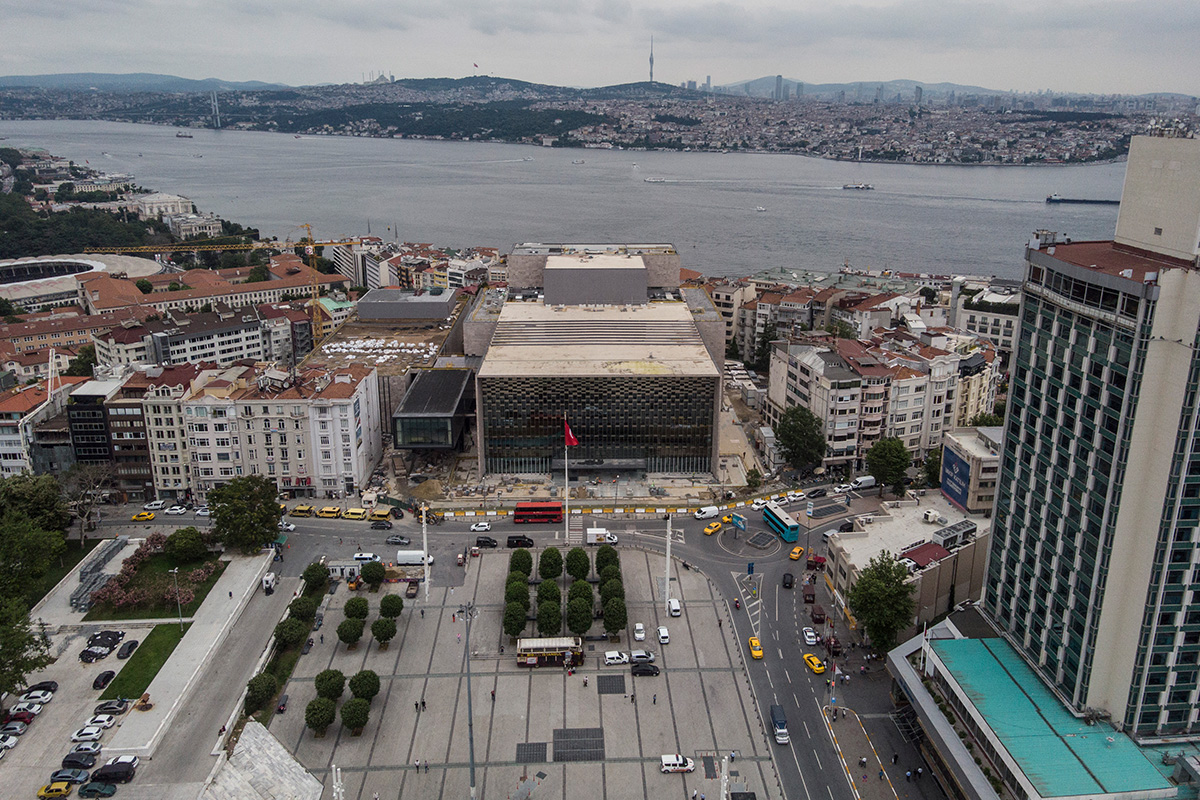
(1100, 47)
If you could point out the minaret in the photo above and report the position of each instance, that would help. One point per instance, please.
(652, 59)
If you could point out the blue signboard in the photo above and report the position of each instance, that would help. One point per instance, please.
(956, 478)
(739, 522)
(750, 568)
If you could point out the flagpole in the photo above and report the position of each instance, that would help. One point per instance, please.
(566, 484)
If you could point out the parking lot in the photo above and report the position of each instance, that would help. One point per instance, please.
(542, 724)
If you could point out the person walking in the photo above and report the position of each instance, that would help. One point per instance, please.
(694, 793)
(585, 681)
(862, 761)
(459, 638)
(417, 765)
(322, 638)
(427, 766)
(908, 776)
(895, 757)
(654, 702)
(881, 774)
(493, 695)
(422, 703)
(632, 698)
(920, 772)
(422, 613)
(417, 706)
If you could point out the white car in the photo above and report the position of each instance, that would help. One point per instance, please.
(842, 488)
(480, 527)
(130, 760)
(615, 657)
(8, 742)
(758, 505)
(155, 505)
(175, 511)
(203, 511)
(794, 496)
(810, 636)
(89, 734)
(284, 525)
(663, 636)
(639, 632)
(610, 538)
(91, 748)
(26, 708)
(39, 697)
(102, 721)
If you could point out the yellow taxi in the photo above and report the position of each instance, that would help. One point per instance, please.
(143, 516)
(56, 789)
(727, 519)
(814, 663)
(712, 528)
(755, 647)
(796, 553)
(330, 512)
(302, 511)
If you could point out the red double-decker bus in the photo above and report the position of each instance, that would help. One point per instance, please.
(538, 512)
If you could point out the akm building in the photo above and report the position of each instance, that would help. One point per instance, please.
(604, 335)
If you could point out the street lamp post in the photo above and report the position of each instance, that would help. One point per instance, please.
(468, 612)
(178, 605)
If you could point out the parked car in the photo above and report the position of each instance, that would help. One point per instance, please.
(285, 526)
(639, 632)
(843, 488)
(22, 716)
(127, 649)
(175, 511)
(111, 707)
(13, 728)
(795, 495)
(758, 505)
(92, 654)
(676, 763)
(26, 708)
(202, 511)
(95, 789)
(44, 686)
(380, 525)
(91, 748)
(615, 657)
(88, 734)
(308, 646)
(37, 696)
(102, 721)
(132, 761)
(664, 636)
(56, 789)
(70, 776)
(8, 742)
(103, 679)
(643, 670)
(155, 505)
(77, 760)
(846, 526)
(810, 636)
(486, 541)
(396, 538)
(816, 493)
(481, 527)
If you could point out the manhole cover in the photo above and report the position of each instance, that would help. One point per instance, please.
(531, 752)
(610, 684)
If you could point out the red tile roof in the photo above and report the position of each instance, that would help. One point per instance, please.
(1111, 258)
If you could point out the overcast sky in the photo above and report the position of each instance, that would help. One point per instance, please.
(1126, 46)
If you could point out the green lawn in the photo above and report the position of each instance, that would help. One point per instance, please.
(157, 569)
(145, 662)
(281, 665)
(39, 588)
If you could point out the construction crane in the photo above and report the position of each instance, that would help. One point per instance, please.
(309, 244)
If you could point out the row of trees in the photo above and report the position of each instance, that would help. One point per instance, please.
(580, 595)
(356, 712)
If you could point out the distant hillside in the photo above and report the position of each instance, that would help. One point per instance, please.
(131, 82)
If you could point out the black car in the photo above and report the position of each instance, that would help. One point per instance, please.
(127, 649)
(485, 541)
(94, 654)
(78, 761)
(109, 639)
(816, 493)
(643, 670)
(44, 686)
(381, 525)
(307, 646)
(103, 679)
(112, 707)
(398, 539)
(788, 580)
(846, 526)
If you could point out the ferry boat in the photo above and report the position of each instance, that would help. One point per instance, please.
(182, 135)
(577, 161)
(655, 180)
(862, 186)
(760, 208)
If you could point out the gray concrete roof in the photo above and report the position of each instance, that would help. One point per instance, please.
(261, 767)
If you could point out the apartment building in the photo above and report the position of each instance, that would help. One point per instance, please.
(65, 332)
(89, 423)
(22, 408)
(132, 474)
(728, 298)
(223, 336)
(163, 391)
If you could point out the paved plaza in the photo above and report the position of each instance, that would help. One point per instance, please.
(543, 725)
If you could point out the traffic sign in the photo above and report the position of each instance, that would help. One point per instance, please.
(750, 568)
(739, 522)
(810, 508)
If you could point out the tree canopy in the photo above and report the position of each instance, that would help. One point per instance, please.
(330, 683)
(579, 566)
(81, 365)
(933, 468)
(391, 606)
(26, 552)
(579, 615)
(245, 512)
(888, 461)
(801, 437)
(881, 599)
(986, 420)
(355, 714)
(38, 498)
(364, 684)
(319, 714)
(549, 618)
(23, 649)
(186, 544)
(550, 567)
(615, 615)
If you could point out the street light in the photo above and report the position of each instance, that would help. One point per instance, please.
(178, 605)
(468, 612)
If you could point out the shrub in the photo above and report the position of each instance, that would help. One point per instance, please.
(391, 605)
(260, 690)
(304, 609)
(319, 715)
(291, 631)
(330, 684)
(357, 608)
(364, 685)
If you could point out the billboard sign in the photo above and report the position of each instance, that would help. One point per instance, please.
(956, 478)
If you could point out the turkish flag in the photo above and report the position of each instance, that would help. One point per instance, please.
(571, 440)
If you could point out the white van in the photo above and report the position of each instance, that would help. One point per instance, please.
(364, 557)
(674, 608)
(863, 482)
(708, 512)
(615, 657)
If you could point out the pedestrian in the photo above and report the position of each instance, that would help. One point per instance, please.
(732, 756)
(654, 702)
(459, 638)
(694, 794)
(920, 772)
(493, 695)
(222, 731)
(454, 618)
(427, 766)
(585, 681)
(422, 613)
(417, 705)
(632, 698)
(417, 765)
(881, 774)
(422, 703)
(231, 595)
(375, 796)
(719, 623)
(322, 638)
(843, 712)
(895, 757)
(908, 776)
(339, 540)
(862, 761)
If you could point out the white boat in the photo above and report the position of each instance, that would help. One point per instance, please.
(577, 161)
(655, 180)
(862, 186)
(760, 208)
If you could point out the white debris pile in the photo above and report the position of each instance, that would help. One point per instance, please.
(380, 351)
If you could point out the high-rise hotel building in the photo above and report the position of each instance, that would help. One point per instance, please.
(1094, 571)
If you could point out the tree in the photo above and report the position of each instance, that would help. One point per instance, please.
(26, 552)
(615, 616)
(881, 599)
(144, 286)
(521, 561)
(517, 593)
(888, 461)
(516, 618)
(315, 577)
(548, 591)
(36, 497)
(612, 572)
(762, 349)
(611, 589)
(579, 566)
(549, 618)
(985, 420)
(364, 684)
(186, 544)
(580, 589)
(374, 574)
(291, 631)
(391, 606)
(355, 714)
(517, 579)
(330, 683)
(933, 468)
(260, 690)
(550, 566)
(357, 608)
(801, 438)
(258, 274)
(384, 630)
(929, 293)
(83, 489)
(304, 608)
(606, 555)
(753, 478)
(319, 715)
(350, 631)
(81, 365)
(245, 512)
(579, 616)
(23, 649)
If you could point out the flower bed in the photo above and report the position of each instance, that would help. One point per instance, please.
(145, 586)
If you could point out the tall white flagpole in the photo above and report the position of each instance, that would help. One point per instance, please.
(566, 485)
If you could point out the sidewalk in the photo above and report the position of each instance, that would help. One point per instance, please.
(874, 781)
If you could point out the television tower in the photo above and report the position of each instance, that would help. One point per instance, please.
(652, 59)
